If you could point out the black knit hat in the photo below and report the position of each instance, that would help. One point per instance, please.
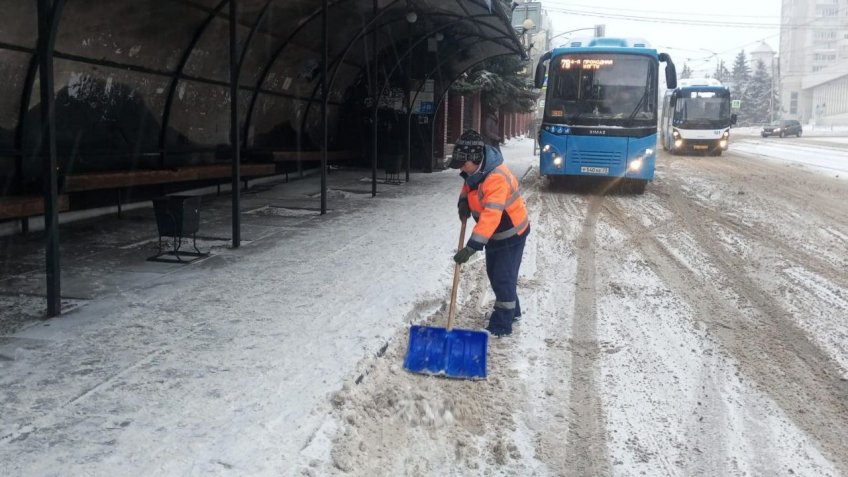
(469, 147)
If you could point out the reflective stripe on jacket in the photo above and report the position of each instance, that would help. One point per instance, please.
(497, 206)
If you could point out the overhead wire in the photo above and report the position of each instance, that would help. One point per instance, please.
(599, 12)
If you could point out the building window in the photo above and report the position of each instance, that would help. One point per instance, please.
(825, 35)
(793, 103)
(822, 11)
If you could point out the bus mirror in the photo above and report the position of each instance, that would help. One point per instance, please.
(670, 71)
(670, 75)
(733, 118)
(539, 79)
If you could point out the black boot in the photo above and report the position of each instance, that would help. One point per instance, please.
(500, 323)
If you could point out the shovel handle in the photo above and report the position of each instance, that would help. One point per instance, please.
(455, 288)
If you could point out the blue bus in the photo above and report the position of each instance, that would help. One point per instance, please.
(600, 114)
(696, 117)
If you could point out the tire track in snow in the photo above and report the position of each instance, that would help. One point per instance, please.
(545, 335)
(813, 193)
(814, 198)
(587, 439)
(792, 253)
(769, 347)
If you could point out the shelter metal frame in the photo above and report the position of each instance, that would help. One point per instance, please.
(49, 17)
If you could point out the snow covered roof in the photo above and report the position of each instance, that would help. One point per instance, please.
(763, 47)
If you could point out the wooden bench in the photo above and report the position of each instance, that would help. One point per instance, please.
(118, 180)
(21, 207)
(24, 207)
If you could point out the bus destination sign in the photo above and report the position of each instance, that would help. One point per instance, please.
(585, 63)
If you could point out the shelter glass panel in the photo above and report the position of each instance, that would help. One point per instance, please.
(277, 123)
(149, 33)
(106, 118)
(210, 58)
(201, 115)
(345, 77)
(20, 26)
(295, 72)
(257, 57)
(13, 71)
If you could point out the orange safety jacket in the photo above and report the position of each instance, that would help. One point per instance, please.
(497, 206)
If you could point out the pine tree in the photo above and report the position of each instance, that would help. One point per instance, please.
(740, 75)
(504, 85)
(759, 89)
(686, 72)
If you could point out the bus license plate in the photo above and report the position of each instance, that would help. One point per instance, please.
(699, 146)
(595, 170)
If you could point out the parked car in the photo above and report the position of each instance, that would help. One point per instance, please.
(782, 128)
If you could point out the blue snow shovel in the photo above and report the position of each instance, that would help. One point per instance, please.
(454, 353)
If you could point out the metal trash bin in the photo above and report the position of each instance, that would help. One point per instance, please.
(178, 217)
(392, 164)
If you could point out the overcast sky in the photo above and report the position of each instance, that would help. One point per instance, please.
(691, 32)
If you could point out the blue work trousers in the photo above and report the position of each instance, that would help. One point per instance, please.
(502, 264)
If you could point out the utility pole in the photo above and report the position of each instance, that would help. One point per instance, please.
(774, 60)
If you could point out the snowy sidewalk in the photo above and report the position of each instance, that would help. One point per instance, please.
(227, 365)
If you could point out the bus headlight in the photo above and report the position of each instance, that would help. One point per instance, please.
(635, 165)
(725, 135)
(723, 143)
(558, 161)
(649, 152)
(675, 134)
(546, 148)
(678, 142)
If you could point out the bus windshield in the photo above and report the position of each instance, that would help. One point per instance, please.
(702, 109)
(602, 89)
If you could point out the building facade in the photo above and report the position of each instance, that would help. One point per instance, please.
(813, 65)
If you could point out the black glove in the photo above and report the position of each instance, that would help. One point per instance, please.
(463, 255)
(464, 209)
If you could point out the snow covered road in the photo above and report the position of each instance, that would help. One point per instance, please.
(698, 329)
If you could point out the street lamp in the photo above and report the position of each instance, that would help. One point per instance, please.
(527, 25)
